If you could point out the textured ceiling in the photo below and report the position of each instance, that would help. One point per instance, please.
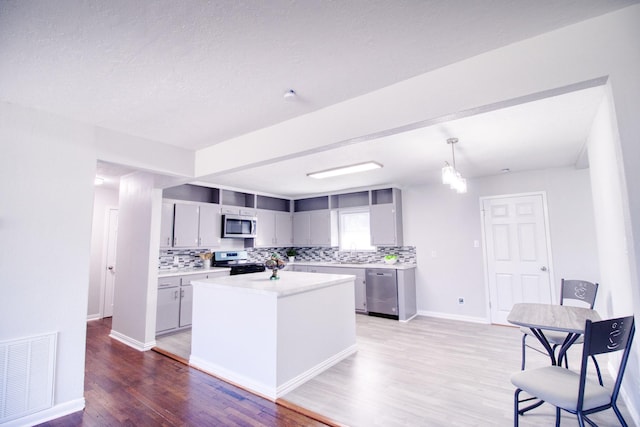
(194, 73)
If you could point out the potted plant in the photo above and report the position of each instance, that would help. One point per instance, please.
(291, 253)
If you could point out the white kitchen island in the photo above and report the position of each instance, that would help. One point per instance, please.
(270, 336)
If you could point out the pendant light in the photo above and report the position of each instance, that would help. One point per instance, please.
(450, 175)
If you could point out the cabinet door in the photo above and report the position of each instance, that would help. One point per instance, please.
(166, 225)
(320, 228)
(185, 227)
(186, 305)
(284, 229)
(383, 225)
(265, 236)
(168, 309)
(210, 225)
(301, 229)
(360, 290)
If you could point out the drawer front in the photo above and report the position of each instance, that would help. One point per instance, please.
(186, 280)
(166, 282)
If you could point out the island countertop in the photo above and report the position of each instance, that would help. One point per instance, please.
(290, 282)
(194, 270)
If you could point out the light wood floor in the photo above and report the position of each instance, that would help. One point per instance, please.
(428, 372)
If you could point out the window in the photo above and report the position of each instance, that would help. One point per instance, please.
(354, 230)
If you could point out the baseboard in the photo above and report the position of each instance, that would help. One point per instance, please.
(96, 316)
(52, 413)
(138, 345)
(306, 376)
(264, 390)
(450, 316)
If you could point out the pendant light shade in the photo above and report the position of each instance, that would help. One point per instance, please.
(450, 175)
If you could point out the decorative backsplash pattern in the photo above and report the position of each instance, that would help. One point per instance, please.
(189, 258)
(180, 258)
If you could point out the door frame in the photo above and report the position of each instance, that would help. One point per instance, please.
(105, 257)
(545, 212)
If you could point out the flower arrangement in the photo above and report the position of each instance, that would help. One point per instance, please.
(206, 259)
(291, 252)
(274, 264)
(205, 256)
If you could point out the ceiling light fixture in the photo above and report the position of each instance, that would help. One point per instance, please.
(290, 95)
(450, 174)
(343, 170)
(98, 181)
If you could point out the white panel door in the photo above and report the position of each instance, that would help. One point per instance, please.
(110, 273)
(517, 253)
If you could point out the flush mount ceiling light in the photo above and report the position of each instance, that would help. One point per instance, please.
(344, 170)
(450, 174)
(290, 95)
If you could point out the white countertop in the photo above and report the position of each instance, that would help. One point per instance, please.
(290, 282)
(396, 266)
(187, 271)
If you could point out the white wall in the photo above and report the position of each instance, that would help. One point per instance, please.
(615, 294)
(47, 169)
(135, 293)
(443, 226)
(104, 198)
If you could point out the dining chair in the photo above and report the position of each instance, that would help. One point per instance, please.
(572, 292)
(573, 391)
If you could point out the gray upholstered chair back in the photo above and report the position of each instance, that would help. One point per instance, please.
(578, 290)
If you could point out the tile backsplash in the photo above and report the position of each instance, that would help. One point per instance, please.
(189, 258)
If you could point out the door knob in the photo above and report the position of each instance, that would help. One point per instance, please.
(110, 267)
(543, 268)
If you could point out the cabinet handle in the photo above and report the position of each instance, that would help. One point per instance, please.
(168, 241)
(199, 241)
(175, 241)
(181, 293)
(175, 295)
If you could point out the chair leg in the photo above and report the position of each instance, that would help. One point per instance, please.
(516, 404)
(580, 419)
(595, 362)
(524, 346)
(618, 414)
(557, 417)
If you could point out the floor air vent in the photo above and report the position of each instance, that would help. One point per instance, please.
(26, 375)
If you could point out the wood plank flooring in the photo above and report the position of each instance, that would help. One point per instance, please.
(127, 387)
(428, 372)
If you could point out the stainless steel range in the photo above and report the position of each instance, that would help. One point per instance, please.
(237, 261)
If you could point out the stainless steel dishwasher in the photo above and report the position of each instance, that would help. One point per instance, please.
(382, 292)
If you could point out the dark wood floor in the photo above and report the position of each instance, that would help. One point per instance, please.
(127, 387)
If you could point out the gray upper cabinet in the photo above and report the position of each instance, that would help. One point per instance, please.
(386, 217)
(166, 225)
(196, 225)
(274, 229)
(210, 225)
(185, 226)
(314, 228)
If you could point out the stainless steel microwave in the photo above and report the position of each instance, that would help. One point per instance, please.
(239, 226)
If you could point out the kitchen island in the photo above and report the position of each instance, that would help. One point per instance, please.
(270, 336)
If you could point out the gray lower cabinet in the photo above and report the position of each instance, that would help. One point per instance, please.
(168, 307)
(360, 291)
(175, 301)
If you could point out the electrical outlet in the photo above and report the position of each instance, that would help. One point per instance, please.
(460, 300)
